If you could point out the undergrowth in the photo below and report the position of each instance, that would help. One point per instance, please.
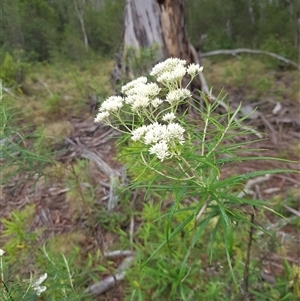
(69, 265)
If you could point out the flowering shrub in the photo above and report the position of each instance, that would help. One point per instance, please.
(187, 155)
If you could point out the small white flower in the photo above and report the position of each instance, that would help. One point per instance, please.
(194, 69)
(160, 149)
(37, 285)
(154, 133)
(175, 96)
(140, 102)
(169, 117)
(138, 133)
(168, 65)
(133, 83)
(112, 104)
(156, 102)
(1, 252)
(150, 90)
(137, 101)
(131, 99)
(39, 290)
(101, 116)
(174, 75)
(175, 131)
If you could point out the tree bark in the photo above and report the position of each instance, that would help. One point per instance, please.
(80, 15)
(159, 24)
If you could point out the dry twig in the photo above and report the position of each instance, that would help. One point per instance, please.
(252, 51)
(104, 285)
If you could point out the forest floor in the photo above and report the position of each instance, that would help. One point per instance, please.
(63, 108)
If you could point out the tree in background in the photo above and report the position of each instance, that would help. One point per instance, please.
(80, 8)
(159, 25)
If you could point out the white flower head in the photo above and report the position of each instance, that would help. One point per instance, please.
(160, 149)
(2, 252)
(175, 96)
(175, 132)
(112, 104)
(149, 89)
(138, 133)
(133, 83)
(155, 132)
(174, 75)
(152, 89)
(141, 101)
(137, 101)
(101, 116)
(194, 69)
(37, 285)
(156, 102)
(168, 65)
(169, 117)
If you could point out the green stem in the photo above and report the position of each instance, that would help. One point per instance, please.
(225, 131)
(205, 129)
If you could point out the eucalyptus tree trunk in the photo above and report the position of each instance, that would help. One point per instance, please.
(79, 7)
(157, 24)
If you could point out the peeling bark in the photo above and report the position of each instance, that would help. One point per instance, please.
(157, 23)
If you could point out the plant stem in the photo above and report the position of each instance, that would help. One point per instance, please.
(248, 255)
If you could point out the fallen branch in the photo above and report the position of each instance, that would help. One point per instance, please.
(251, 183)
(278, 225)
(104, 285)
(6, 90)
(118, 253)
(114, 175)
(292, 210)
(252, 51)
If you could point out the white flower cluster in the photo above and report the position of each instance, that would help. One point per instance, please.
(1, 252)
(37, 285)
(112, 104)
(172, 71)
(140, 94)
(144, 98)
(160, 136)
(175, 96)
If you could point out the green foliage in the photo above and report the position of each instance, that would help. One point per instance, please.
(15, 154)
(54, 31)
(17, 230)
(204, 279)
(239, 76)
(14, 68)
(161, 225)
(204, 205)
(53, 103)
(56, 282)
(262, 24)
(7, 72)
(104, 26)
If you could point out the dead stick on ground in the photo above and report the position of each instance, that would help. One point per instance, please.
(252, 51)
(102, 286)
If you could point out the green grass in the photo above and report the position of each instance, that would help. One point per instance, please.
(252, 79)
